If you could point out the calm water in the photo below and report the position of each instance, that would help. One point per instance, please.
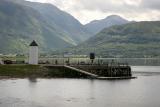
(141, 92)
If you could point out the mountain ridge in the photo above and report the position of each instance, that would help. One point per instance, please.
(96, 26)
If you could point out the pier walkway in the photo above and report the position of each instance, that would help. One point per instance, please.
(89, 73)
(82, 71)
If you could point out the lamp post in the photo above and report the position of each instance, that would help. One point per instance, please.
(92, 57)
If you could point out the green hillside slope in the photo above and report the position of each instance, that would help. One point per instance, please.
(20, 23)
(141, 39)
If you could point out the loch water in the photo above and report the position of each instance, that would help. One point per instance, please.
(140, 92)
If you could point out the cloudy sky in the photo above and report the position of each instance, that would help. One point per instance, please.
(88, 10)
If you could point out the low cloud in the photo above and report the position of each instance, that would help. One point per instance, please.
(88, 10)
(151, 4)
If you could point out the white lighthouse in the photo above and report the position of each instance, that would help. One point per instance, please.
(33, 53)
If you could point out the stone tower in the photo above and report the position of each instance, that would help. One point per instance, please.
(33, 53)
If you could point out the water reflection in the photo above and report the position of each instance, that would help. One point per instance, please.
(32, 79)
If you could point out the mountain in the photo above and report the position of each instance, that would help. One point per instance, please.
(98, 25)
(139, 39)
(22, 21)
(60, 19)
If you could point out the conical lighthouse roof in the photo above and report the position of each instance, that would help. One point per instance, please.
(33, 43)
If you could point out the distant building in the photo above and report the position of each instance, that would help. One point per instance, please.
(1, 62)
(33, 53)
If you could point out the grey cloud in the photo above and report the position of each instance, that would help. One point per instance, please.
(151, 4)
(108, 6)
(87, 10)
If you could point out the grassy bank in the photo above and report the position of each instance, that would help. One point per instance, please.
(22, 71)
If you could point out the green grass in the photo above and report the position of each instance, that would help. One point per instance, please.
(23, 70)
(36, 71)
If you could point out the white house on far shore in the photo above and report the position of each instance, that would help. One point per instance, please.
(1, 62)
(33, 53)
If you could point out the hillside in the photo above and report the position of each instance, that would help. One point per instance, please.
(59, 19)
(98, 25)
(21, 22)
(140, 39)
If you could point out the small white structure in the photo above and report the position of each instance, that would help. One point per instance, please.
(33, 53)
(1, 62)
